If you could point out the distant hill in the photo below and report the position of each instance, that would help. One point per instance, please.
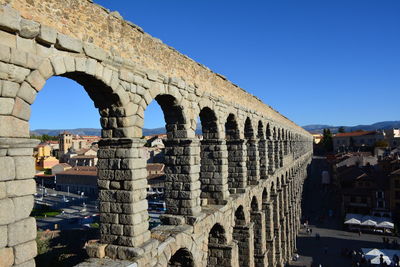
(97, 132)
(89, 131)
(383, 125)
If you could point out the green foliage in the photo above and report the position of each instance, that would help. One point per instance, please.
(341, 129)
(94, 225)
(43, 244)
(44, 211)
(45, 137)
(47, 171)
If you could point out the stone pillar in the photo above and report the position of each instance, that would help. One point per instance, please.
(253, 162)
(277, 230)
(182, 185)
(17, 186)
(285, 145)
(271, 156)
(260, 257)
(263, 154)
(269, 232)
(244, 236)
(277, 154)
(237, 171)
(281, 148)
(214, 171)
(282, 223)
(122, 181)
(287, 221)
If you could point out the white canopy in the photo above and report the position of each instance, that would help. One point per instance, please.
(386, 224)
(374, 254)
(353, 221)
(369, 222)
(357, 219)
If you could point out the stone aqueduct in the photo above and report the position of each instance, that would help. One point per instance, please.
(233, 198)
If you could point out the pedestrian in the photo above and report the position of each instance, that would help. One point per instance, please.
(317, 236)
(396, 260)
(381, 259)
(310, 231)
(359, 232)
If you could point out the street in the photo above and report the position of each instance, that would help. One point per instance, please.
(74, 207)
(318, 204)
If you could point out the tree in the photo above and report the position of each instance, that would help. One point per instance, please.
(341, 129)
(327, 140)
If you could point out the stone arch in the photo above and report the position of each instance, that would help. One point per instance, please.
(216, 244)
(117, 132)
(182, 258)
(109, 98)
(237, 172)
(254, 204)
(252, 161)
(240, 218)
(174, 116)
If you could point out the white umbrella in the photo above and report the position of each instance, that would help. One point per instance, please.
(353, 221)
(376, 260)
(373, 252)
(369, 223)
(386, 224)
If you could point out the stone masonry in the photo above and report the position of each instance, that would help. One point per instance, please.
(233, 198)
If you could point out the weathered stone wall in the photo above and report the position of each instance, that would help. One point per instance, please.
(123, 70)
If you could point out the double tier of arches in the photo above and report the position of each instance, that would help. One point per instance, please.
(240, 150)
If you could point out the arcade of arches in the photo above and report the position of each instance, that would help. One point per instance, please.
(233, 198)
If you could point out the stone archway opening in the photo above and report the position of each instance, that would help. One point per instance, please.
(66, 162)
(216, 246)
(181, 258)
(242, 234)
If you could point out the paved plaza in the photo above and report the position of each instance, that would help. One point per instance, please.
(318, 202)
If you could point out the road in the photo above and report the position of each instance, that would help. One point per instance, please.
(76, 207)
(317, 201)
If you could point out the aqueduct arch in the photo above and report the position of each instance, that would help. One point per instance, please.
(247, 149)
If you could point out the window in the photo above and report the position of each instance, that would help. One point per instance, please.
(379, 194)
(397, 194)
(380, 204)
(353, 199)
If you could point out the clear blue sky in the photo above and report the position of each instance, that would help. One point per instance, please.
(317, 62)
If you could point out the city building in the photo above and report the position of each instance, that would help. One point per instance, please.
(317, 137)
(392, 136)
(356, 140)
(60, 168)
(155, 178)
(44, 158)
(77, 180)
